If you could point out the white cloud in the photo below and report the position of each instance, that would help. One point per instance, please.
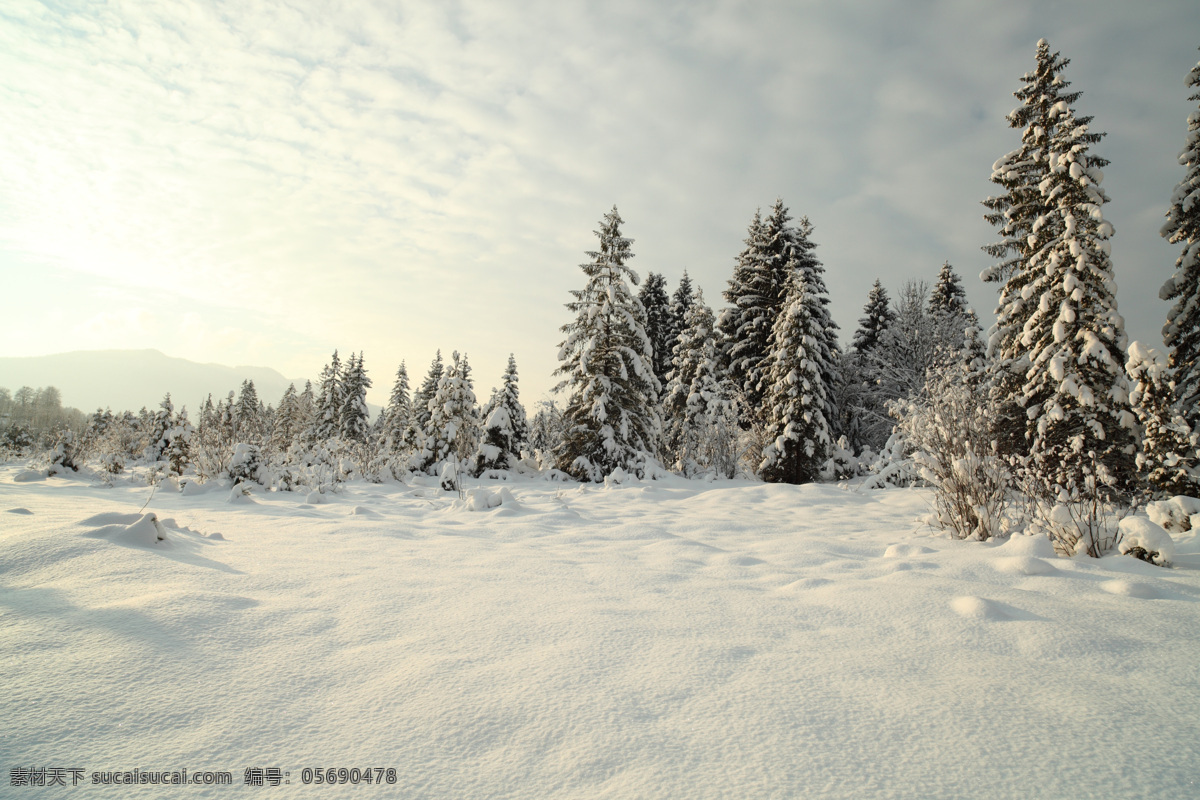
(402, 178)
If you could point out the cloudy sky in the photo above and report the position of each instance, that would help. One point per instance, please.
(262, 182)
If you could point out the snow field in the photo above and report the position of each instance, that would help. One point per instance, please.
(666, 639)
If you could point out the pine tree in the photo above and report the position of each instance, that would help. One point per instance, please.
(546, 432)
(506, 430)
(681, 301)
(611, 417)
(247, 415)
(1168, 459)
(157, 428)
(746, 325)
(355, 418)
(327, 421)
(877, 316)
(796, 398)
(758, 292)
(1079, 425)
(948, 296)
(425, 394)
(1181, 334)
(287, 426)
(454, 418)
(397, 419)
(701, 420)
(1021, 214)
(653, 296)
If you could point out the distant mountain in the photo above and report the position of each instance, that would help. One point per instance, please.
(129, 379)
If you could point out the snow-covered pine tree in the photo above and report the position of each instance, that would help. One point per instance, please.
(425, 395)
(1167, 460)
(801, 255)
(877, 316)
(949, 315)
(612, 417)
(397, 419)
(248, 416)
(287, 426)
(178, 443)
(681, 301)
(510, 398)
(506, 431)
(1181, 334)
(948, 296)
(1075, 394)
(701, 428)
(746, 324)
(653, 296)
(1020, 214)
(327, 417)
(355, 422)
(454, 418)
(796, 396)
(546, 432)
(162, 422)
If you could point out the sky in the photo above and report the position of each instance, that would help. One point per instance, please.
(264, 182)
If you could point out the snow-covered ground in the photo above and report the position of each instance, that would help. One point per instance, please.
(671, 639)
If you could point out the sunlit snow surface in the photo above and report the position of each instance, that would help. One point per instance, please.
(663, 640)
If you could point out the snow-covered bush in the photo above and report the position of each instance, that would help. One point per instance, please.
(1177, 514)
(1078, 515)
(1167, 460)
(64, 456)
(949, 432)
(1142, 539)
(245, 463)
(841, 464)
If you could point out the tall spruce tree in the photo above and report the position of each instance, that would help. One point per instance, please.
(397, 418)
(287, 425)
(681, 301)
(701, 419)
(1167, 459)
(796, 397)
(948, 297)
(425, 394)
(612, 417)
(355, 422)
(506, 430)
(1181, 334)
(877, 316)
(1021, 213)
(248, 415)
(327, 417)
(1074, 394)
(746, 324)
(653, 296)
(454, 426)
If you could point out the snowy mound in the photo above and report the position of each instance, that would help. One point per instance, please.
(192, 488)
(487, 500)
(1142, 538)
(1179, 514)
(144, 531)
(906, 551)
(1032, 546)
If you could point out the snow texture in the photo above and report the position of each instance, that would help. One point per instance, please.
(650, 639)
